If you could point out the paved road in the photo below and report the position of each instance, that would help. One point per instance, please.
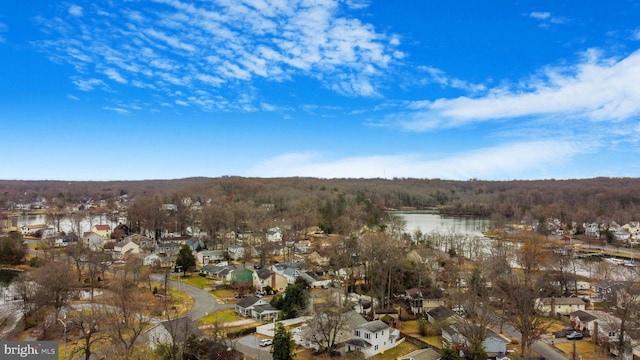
(204, 303)
(541, 347)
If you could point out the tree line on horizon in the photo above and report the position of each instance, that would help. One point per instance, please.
(580, 200)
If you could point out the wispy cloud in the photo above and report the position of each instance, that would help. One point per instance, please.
(72, 97)
(222, 47)
(500, 162)
(75, 10)
(596, 89)
(3, 29)
(546, 18)
(116, 109)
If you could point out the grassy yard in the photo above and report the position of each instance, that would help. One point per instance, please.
(227, 294)
(193, 280)
(402, 349)
(181, 300)
(585, 350)
(222, 316)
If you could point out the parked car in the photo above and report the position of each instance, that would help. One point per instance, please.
(266, 342)
(576, 335)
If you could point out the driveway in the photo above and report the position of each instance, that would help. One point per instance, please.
(250, 346)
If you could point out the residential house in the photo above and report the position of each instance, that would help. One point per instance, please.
(170, 332)
(453, 336)
(195, 244)
(257, 308)
(421, 354)
(592, 229)
(350, 321)
(274, 234)
(442, 315)
(372, 338)
(93, 241)
(210, 256)
(167, 249)
(302, 247)
(223, 274)
(236, 252)
(28, 230)
(145, 243)
(422, 300)
(123, 248)
(560, 305)
(262, 278)
(607, 290)
(152, 260)
(102, 230)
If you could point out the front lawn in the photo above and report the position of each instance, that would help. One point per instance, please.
(222, 316)
(585, 350)
(193, 280)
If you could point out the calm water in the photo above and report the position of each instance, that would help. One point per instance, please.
(429, 222)
(66, 224)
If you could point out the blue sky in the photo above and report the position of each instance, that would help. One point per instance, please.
(128, 90)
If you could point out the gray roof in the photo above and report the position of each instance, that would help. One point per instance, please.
(441, 313)
(181, 328)
(422, 354)
(375, 326)
(358, 342)
(583, 316)
(263, 273)
(264, 308)
(248, 301)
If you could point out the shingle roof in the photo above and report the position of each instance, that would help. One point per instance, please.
(583, 316)
(441, 313)
(375, 326)
(248, 301)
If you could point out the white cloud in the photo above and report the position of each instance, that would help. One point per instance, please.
(546, 18)
(116, 109)
(596, 89)
(517, 160)
(540, 15)
(72, 97)
(114, 75)
(173, 43)
(89, 84)
(75, 10)
(3, 28)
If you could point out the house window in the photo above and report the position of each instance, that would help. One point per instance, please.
(376, 347)
(367, 336)
(358, 333)
(376, 335)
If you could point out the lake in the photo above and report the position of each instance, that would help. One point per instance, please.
(429, 222)
(66, 224)
(464, 234)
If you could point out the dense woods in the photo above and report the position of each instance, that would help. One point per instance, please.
(598, 199)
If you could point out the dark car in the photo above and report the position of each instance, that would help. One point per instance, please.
(576, 335)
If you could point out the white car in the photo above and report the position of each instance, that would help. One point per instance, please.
(266, 342)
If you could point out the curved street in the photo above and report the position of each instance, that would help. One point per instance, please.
(204, 303)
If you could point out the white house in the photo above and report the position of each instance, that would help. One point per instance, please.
(257, 308)
(274, 234)
(205, 257)
(372, 338)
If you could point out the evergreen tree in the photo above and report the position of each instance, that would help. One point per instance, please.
(283, 344)
(185, 259)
